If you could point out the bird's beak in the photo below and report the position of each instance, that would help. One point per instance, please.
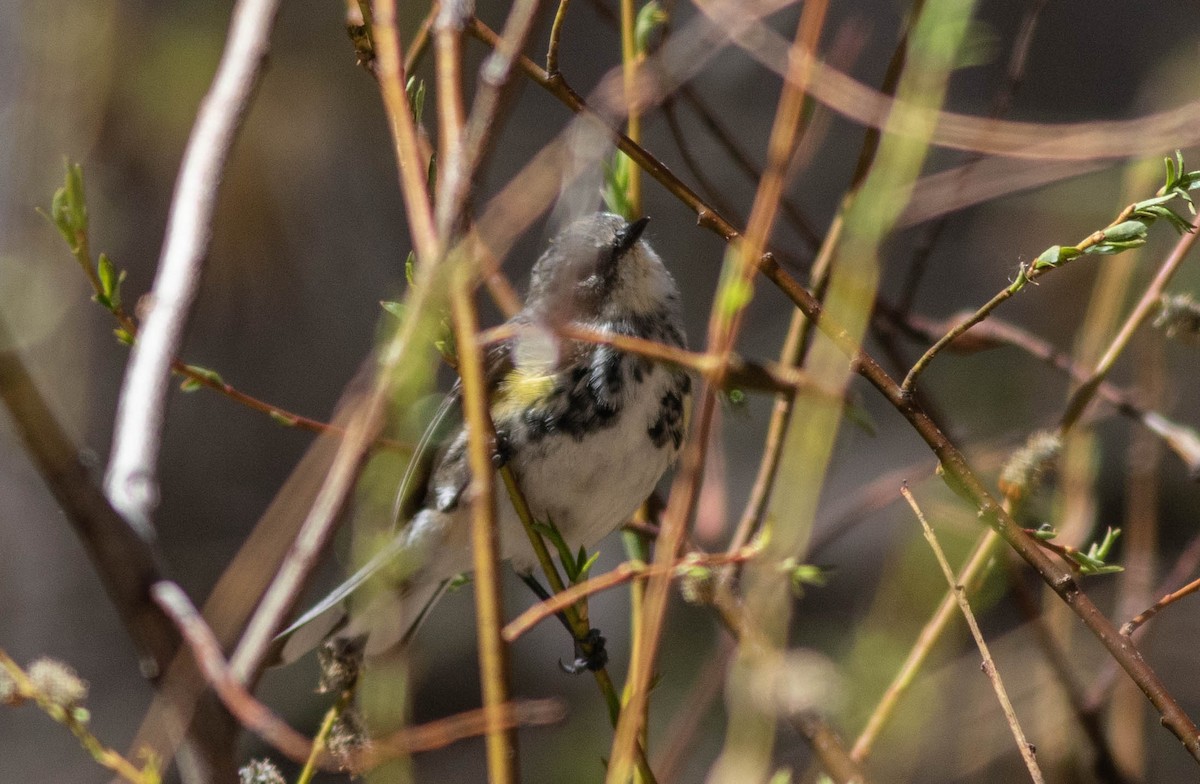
(630, 234)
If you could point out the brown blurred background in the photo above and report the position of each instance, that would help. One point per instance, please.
(310, 236)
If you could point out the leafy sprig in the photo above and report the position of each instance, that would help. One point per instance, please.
(1092, 562)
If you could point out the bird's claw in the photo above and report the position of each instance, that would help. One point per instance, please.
(590, 654)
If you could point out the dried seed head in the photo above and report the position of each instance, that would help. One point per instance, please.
(347, 737)
(1027, 468)
(8, 687)
(341, 662)
(261, 772)
(57, 682)
(1179, 317)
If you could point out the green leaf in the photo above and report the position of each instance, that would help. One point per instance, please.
(431, 175)
(191, 384)
(735, 295)
(110, 281)
(551, 533)
(416, 97)
(651, 17)
(410, 270)
(616, 187)
(395, 308)
(123, 336)
(283, 419)
(585, 566)
(75, 199)
(1055, 256)
(1126, 231)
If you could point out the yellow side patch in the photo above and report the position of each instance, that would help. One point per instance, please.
(521, 389)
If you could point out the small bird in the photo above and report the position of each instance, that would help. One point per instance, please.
(587, 430)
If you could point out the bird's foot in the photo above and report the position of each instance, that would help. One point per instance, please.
(590, 654)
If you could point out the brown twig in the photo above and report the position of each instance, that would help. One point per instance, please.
(263, 722)
(989, 665)
(1132, 625)
(131, 483)
(495, 76)
(624, 573)
(972, 573)
(767, 376)
(560, 17)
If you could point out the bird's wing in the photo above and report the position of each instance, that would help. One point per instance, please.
(429, 459)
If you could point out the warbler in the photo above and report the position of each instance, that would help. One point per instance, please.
(588, 431)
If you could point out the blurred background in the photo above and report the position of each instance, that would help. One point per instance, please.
(310, 236)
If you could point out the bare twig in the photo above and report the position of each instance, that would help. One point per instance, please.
(973, 572)
(989, 665)
(132, 483)
(560, 17)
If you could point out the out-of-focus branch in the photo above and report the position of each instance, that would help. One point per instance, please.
(263, 722)
(125, 562)
(132, 483)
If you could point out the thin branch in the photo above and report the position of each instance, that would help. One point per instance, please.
(493, 655)
(452, 15)
(989, 665)
(839, 766)
(463, 161)
(132, 483)
(1145, 615)
(560, 17)
(741, 373)
(404, 131)
(626, 572)
(1146, 307)
(973, 571)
